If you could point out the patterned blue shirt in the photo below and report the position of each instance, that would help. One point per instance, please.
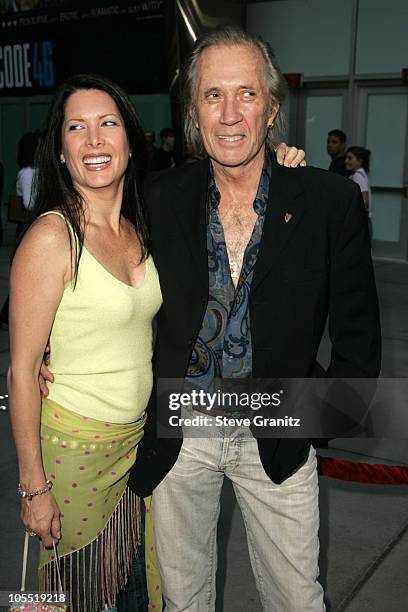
(223, 347)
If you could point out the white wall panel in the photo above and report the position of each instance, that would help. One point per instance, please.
(323, 113)
(386, 216)
(308, 36)
(382, 43)
(386, 135)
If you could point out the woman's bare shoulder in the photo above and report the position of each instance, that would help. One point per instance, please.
(49, 232)
(45, 246)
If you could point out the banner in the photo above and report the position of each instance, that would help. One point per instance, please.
(40, 48)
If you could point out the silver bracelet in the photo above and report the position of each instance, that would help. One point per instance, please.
(30, 494)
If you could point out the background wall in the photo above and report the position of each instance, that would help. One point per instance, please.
(309, 36)
(315, 36)
(351, 54)
(382, 36)
(20, 115)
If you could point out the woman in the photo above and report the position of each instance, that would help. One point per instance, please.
(82, 277)
(358, 163)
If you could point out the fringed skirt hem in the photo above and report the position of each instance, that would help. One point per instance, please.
(93, 575)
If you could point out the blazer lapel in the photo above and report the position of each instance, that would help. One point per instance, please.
(190, 208)
(285, 209)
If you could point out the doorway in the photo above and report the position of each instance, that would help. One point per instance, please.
(382, 127)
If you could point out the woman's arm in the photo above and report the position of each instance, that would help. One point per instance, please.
(365, 199)
(39, 273)
(360, 178)
(290, 156)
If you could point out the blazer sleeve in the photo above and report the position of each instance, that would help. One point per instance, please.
(354, 325)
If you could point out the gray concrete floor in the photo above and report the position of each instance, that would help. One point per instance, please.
(364, 528)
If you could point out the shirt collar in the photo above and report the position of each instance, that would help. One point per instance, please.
(262, 194)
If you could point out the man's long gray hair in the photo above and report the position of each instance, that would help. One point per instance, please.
(230, 36)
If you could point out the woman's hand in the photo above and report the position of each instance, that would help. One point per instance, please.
(290, 156)
(41, 515)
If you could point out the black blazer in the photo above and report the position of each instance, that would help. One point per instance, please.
(315, 265)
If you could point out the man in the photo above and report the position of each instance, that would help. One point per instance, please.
(336, 148)
(252, 257)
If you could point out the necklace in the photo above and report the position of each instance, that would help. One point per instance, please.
(233, 266)
(234, 259)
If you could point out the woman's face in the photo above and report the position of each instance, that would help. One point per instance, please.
(352, 162)
(94, 142)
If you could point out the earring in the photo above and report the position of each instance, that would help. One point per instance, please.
(62, 160)
(130, 154)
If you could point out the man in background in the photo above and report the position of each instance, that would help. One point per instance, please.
(336, 148)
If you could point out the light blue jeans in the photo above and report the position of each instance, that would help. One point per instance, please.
(281, 521)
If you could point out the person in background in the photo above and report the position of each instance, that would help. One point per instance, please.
(336, 146)
(150, 137)
(27, 148)
(165, 157)
(358, 166)
(26, 151)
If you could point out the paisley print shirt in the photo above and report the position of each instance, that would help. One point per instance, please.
(223, 347)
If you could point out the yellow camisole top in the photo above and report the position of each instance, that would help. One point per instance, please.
(102, 343)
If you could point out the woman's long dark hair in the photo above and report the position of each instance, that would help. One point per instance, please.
(53, 184)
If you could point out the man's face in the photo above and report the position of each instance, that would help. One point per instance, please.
(169, 141)
(232, 103)
(335, 148)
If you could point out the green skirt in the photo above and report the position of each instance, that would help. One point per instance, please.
(88, 462)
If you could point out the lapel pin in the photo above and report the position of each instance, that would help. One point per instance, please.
(288, 217)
